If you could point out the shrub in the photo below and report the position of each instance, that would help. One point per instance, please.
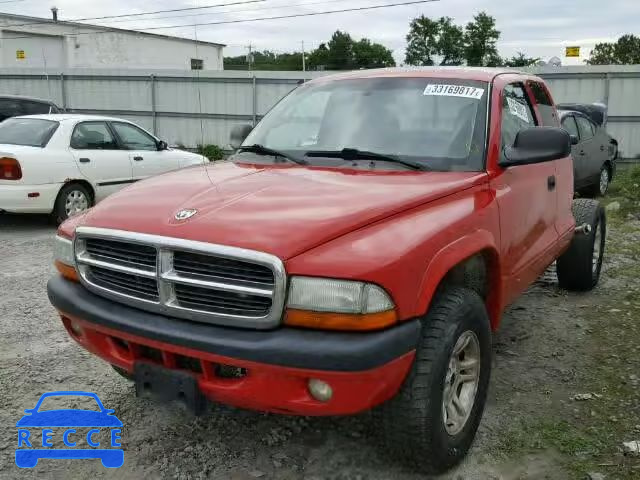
(212, 152)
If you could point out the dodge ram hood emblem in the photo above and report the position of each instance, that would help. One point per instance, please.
(186, 214)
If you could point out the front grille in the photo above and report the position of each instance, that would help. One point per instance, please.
(231, 303)
(221, 269)
(133, 285)
(185, 279)
(121, 253)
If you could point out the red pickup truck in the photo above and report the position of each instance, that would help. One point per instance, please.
(357, 251)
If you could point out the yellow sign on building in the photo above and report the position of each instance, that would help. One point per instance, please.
(573, 51)
(20, 54)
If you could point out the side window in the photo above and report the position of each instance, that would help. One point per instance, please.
(93, 136)
(569, 124)
(133, 138)
(545, 105)
(586, 128)
(35, 108)
(516, 113)
(9, 107)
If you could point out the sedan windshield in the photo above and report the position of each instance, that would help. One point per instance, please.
(31, 132)
(439, 123)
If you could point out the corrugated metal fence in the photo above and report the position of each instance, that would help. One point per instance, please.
(201, 107)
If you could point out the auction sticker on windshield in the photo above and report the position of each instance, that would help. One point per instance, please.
(454, 91)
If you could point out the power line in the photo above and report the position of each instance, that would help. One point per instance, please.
(139, 14)
(248, 20)
(272, 7)
(296, 15)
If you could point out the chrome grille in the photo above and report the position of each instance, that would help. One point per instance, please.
(181, 278)
(121, 253)
(134, 285)
(221, 269)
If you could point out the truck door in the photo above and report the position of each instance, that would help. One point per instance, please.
(526, 198)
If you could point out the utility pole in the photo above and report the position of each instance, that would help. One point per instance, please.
(304, 61)
(250, 56)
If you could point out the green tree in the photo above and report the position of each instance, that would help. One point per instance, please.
(318, 58)
(626, 51)
(520, 60)
(450, 42)
(340, 55)
(372, 55)
(422, 41)
(481, 38)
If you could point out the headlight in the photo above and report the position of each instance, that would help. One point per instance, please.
(338, 304)
(64, 259)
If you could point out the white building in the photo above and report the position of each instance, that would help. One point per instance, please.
(33, 42)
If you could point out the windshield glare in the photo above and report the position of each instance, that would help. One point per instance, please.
(438, 122)
(29, 132)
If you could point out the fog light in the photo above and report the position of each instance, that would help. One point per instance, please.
(76, 328)
(320, 390)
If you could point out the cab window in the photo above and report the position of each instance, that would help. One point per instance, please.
(93, 136)
(545, 104)
(517, 113)
(134, 138)
(587, 129)
(569, 124)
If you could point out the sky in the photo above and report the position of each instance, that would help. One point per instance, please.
(540, 28)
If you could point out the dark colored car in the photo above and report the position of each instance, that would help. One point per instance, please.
(15, 106)
(594, 151)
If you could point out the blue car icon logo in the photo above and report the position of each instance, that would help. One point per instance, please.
(38, 431)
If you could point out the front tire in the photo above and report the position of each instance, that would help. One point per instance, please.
(600, 188)
(434, 418)
(72, 199)
(580, 266)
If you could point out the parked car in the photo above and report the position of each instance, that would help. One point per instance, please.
(594, 151)
(356, 252)
(64, 164)
(15, 106)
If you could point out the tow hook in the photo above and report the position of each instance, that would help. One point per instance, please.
(584, 229)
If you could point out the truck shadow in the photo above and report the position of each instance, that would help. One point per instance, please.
(25, 223)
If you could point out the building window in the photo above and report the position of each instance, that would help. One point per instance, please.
(196, 64)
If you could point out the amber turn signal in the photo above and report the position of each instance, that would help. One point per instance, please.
(67, 271)
(340, 321)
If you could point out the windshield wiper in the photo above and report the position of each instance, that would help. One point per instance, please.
(355, 154)
(262, 150)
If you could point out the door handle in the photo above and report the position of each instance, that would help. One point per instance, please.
(138, 159)
(551, 183)
(582, 153)
(602, 148)
(84, 160)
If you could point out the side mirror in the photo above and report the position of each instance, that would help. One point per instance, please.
(537, 145)
(574, 140)
(162, 145)
(238, 134)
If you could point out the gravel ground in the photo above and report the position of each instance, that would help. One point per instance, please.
(548, 349)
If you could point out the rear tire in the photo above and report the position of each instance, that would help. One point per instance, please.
(580, 266)
(421, 424)
(73, 199)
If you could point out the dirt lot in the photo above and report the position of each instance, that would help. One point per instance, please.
(551, 347)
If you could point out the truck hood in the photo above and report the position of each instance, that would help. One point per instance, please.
(282, 210)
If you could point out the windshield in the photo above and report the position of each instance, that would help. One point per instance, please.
(438, 122)
(30, 132)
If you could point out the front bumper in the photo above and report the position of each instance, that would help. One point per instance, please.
(363, 369)
(15, 198)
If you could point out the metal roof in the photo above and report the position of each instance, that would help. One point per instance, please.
(28, 19)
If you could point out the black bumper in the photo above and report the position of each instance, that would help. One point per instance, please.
(289, 347)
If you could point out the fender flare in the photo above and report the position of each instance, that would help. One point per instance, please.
(453, 254)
